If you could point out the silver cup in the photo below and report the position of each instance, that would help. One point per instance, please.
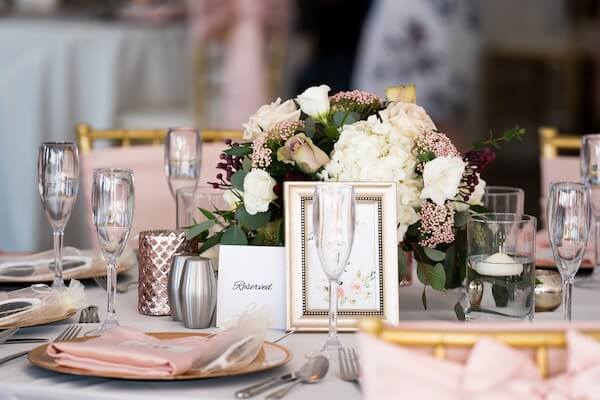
(174, 288)
(198, 294)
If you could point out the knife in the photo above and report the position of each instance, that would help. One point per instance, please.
(253, 390)
(25, 340)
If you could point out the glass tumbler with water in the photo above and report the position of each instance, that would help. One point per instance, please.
(500, 277)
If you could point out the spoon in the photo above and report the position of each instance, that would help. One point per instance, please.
(311, 372)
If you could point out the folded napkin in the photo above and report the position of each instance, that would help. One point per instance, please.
(492, 371)
(125, 350)
(545, 258)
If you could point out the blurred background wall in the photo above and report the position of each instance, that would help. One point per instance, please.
(479, 66)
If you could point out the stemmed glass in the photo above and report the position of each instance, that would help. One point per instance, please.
(183, 154)
(569, 214)
(58, 183)
(590, 174)
(333, 224)
(113, 198)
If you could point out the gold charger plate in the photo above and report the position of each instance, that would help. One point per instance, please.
(271, 356)
(43, 320)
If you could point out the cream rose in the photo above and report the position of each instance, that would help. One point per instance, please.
(441, 178)
(314, 101)
(268, 116)
(258, 191)
(299, 149)
(408, 118)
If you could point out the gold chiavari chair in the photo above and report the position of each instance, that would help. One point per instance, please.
(559, 161)
(552, 143)
(87, 136)
(541, 342)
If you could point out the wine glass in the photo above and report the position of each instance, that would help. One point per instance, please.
(183, 155)
(569, 217)
(58, 183)
(590, 174)
(333, 225)
(113, 198)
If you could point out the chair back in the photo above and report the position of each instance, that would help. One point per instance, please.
(140, 151)
(555, 167)
(544, 342)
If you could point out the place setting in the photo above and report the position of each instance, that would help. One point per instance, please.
(302, 236)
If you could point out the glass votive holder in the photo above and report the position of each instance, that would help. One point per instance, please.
(504, 199)
(500, 276)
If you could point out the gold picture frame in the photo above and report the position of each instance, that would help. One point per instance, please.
(370, 282)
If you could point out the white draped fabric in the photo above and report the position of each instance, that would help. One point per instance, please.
(19, 380)
(56, 73)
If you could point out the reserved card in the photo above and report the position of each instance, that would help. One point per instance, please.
(251, 276)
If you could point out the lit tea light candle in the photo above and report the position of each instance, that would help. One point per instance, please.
(499, 264)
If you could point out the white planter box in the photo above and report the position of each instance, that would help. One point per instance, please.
(251, 276)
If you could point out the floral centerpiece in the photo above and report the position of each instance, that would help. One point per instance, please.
(354, 136)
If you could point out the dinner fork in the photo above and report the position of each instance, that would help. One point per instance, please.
(70, 332)
(349, 365)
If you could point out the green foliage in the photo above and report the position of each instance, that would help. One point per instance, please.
(434, 255)
(342, 118)
(237, 180)
(252, 222)
(197, 229)
(425, 156)
(234, 235)
(494, 142)
(239, 151)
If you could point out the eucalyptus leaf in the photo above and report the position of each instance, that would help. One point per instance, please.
(437, 278)
(460, 218)
(237, 180)
(309, 128)
(234, 235)
(423, 272)
(331, 132)
(247, 164)
(252, 222)
(459, 311)
(479, 209)
(402, 264)
(342, 118)
(434, 254)
(424, 298)
(239, 151)
(207, 213)
(199, 228)
(210, 242)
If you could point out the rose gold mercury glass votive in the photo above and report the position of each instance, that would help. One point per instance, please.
(156, 250)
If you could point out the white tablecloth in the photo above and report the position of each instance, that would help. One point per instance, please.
(56, 73)
(20, 380)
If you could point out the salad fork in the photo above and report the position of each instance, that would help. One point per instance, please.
(349, 365)
(70, 332)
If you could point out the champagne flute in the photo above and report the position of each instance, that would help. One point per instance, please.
(569, 216)
(113, 199)
(183, 154)
(58, 183)
(590, 174)
(333, 225)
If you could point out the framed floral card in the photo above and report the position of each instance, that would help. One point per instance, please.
(369, 284)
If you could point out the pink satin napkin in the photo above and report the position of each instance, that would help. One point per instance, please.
(492, 371)
(129, 351)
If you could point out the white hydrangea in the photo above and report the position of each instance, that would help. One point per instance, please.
(375, 151)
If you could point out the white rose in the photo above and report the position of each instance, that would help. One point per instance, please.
(441, 178)
(408, 118)
(232, 198)
(258, 191)
(315, 101)
(268, 116)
